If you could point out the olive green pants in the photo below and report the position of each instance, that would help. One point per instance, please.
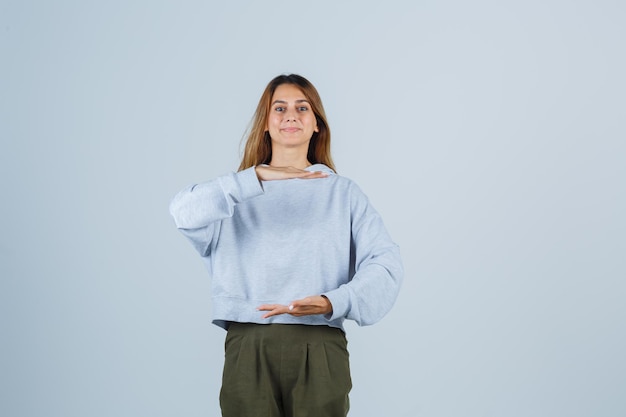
(285, 370)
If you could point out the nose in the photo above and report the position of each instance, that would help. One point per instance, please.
(290, 115)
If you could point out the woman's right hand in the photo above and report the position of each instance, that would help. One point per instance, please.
(270, 173)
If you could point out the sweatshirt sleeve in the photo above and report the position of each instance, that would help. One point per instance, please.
(378, 270)
(198, 208)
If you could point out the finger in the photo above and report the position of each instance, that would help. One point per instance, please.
(268, 307)
(317, 174)
(275, 312)
(298, 307)
(267, 315)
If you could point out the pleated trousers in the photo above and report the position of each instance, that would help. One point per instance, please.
(285, 370)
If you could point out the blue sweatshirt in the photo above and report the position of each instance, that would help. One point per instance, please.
(273, 242)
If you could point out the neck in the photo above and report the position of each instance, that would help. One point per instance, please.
(289, 158)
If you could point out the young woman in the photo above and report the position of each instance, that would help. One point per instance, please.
(293, 250)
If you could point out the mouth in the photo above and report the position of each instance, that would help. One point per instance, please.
(290, 129)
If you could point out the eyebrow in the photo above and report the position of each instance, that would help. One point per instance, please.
(284, 102)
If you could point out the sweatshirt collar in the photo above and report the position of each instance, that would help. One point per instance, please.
(319, 167)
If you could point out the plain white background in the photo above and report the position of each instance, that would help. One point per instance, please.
(489, 134)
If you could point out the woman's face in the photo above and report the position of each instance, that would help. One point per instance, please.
(291, 121)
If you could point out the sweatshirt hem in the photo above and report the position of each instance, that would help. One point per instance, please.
(228, 309)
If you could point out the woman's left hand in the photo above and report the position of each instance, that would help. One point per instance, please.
(304, 307)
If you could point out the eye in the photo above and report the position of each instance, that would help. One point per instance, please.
(279, 109)
(303, 108)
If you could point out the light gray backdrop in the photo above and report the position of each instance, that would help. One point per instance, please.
(489, 134)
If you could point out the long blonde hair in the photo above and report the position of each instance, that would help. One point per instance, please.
(258, 148)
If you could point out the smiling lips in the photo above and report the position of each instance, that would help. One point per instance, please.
(290, 129)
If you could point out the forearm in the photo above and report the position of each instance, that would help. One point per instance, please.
(201, 204)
